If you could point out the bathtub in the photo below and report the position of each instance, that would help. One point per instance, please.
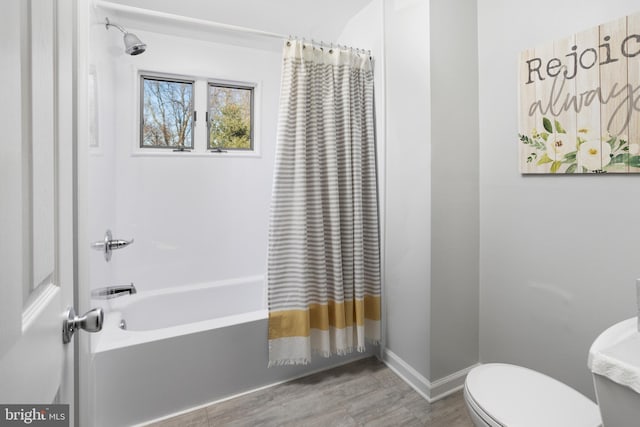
(183, 348)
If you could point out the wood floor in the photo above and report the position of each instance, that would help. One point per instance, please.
(363, 393)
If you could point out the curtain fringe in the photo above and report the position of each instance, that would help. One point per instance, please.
(289, 362)
(325, 354)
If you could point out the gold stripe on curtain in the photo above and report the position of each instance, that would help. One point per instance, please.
(298, 323)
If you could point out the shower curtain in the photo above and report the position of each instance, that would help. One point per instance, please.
(323, 271)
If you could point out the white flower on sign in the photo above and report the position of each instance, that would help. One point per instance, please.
(558, 145)
(594, 155)
(556, 150)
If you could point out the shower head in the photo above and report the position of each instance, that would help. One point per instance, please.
(132, 44)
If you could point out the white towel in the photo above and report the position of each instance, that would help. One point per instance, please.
(619, 362)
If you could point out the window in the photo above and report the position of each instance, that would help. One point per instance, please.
(167, 113)
(196, 116)
(229, 117)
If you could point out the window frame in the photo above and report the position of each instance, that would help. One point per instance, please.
(200, 80)
(233, 85)
(173, 79)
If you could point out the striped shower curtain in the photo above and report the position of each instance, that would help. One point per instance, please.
(324, 259)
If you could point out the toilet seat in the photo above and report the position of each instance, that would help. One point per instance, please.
(509, 395)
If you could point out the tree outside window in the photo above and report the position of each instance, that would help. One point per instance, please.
(167, 113)
(230, 110)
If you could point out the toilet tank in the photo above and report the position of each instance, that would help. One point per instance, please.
(614, 360)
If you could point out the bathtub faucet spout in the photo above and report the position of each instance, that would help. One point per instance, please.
(113, 291)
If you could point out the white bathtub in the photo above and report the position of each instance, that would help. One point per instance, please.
(185, 347)
(165, 313)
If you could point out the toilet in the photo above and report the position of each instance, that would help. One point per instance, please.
(504, 395)
(500, 395)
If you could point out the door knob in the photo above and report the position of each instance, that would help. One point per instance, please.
(91, 321)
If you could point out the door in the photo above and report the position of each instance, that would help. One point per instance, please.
(37, 200)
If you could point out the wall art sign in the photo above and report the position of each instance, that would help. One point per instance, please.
(579, 101)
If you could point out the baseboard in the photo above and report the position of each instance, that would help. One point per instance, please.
(431, 391)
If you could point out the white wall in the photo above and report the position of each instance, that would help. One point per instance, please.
(408, 182)
(455, 237)
(559, 254)
(194, 218)
(432, 197)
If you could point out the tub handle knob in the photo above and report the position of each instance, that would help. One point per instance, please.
(108, 245)
(91, 321)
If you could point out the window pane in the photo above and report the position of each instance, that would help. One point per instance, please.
(230, 110)
(167, 118)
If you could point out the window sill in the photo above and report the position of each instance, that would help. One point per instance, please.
(150, 152)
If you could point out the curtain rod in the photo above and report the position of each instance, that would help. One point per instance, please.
(139, 12)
